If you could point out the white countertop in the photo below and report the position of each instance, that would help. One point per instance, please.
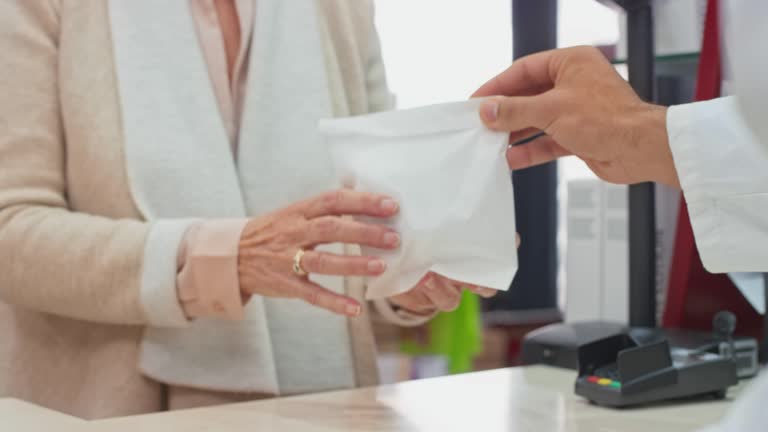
(537, 398)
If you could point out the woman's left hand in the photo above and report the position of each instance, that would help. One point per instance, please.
(436, 293)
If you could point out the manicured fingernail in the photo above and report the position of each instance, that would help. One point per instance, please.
(353, 310)
(389, 205)
(392, 239)
(489, 111)
(376, 266)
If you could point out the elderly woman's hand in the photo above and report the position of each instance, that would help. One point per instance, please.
(270, 243)
(436, 293)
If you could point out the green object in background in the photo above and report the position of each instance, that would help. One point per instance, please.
(455, 335)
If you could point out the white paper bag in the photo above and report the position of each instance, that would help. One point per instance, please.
(450, 176)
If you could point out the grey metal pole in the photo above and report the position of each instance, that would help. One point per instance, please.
(534, 29)
(642, 203)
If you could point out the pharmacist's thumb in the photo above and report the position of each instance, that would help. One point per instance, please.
(510, 114)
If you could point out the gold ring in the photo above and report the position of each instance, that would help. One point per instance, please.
(297, 269)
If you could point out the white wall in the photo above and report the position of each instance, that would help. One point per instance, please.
(443, 50)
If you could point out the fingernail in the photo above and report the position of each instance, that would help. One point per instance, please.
(392, 239)
(353, 310)
(430, 284)
(489, 111)
(389, 205)
(376, 266)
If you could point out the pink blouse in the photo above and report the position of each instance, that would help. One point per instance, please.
(207, 281)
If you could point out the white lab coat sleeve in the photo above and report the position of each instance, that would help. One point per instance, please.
(723, 170)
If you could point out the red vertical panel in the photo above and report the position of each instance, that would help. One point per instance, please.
(695, 295)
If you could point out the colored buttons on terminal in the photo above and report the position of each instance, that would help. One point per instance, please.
(603, 381)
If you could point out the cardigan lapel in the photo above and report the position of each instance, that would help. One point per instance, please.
(178, 157)
(281, 156)
(283, 160)
(180, 165)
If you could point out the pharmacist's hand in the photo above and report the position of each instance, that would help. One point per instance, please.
(586, 109)
(437, 293)
(269, 245)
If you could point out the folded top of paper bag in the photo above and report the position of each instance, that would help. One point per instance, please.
(450, 176)
(449, 117)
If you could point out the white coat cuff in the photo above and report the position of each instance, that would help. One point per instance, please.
(159, 298)
(721, 167)
(699, 142)
(402, 318)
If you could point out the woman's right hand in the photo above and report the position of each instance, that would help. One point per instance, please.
(269, 243)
